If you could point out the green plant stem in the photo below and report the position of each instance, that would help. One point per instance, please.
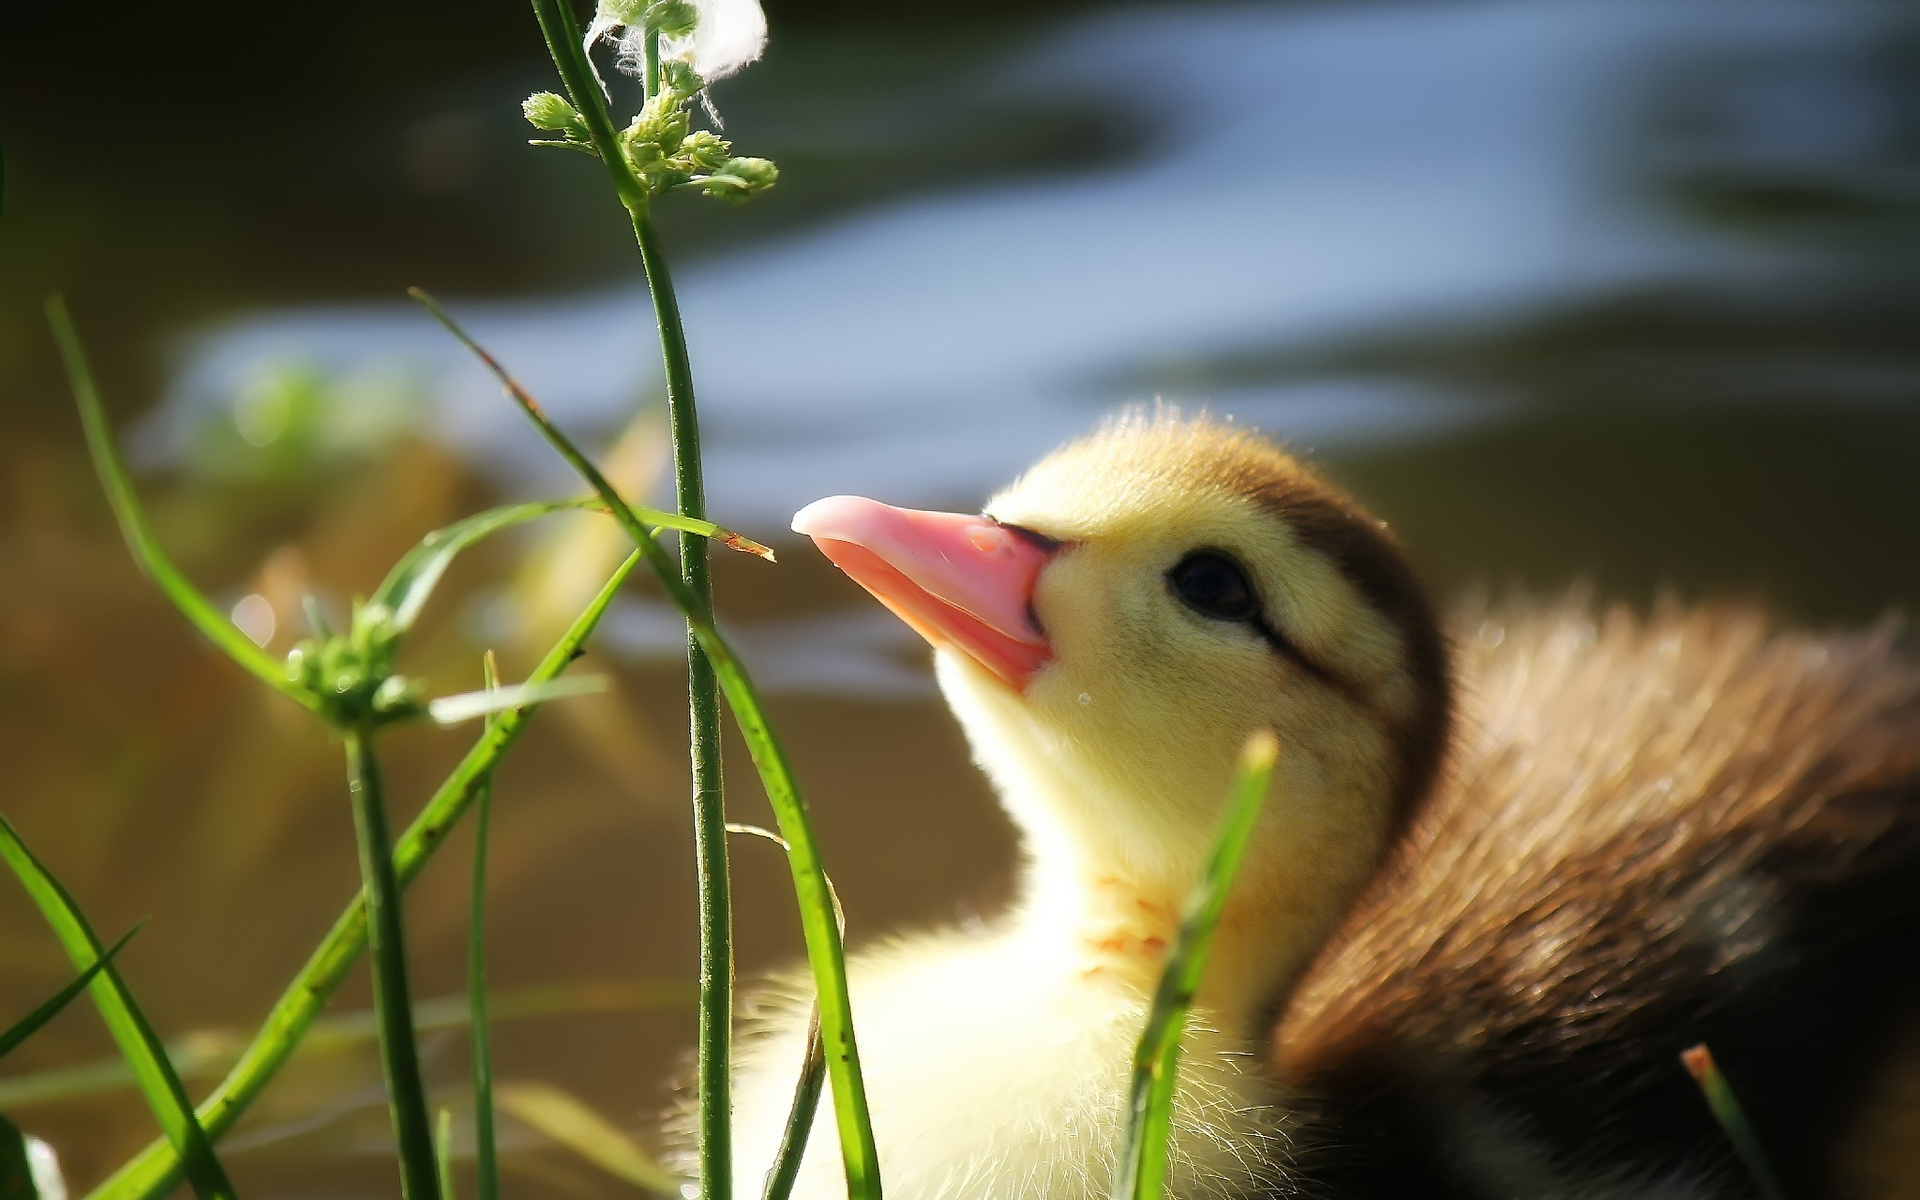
(155, 1170)
(387, 952)
(826, 954)
(715, 1054)
(486, 1184)
(715, 1043)
(1144, 1156)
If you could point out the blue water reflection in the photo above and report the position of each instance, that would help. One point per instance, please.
(1312, 176)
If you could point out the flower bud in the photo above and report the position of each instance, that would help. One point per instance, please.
(671, 18)
(705, 151)
(620, 12)
(741, 178)
(545, 110)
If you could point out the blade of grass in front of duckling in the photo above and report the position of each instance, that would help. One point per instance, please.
(152, 1172)
(210, 621)
(806, 1104)
(1143, 1165)
(813, 1067)
(486, 1183)
(30, 1024)
(826, 954)
(387, 955)
(138, 1043)
(1732, 1118)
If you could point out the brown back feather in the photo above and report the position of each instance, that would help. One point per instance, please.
(1650, 831)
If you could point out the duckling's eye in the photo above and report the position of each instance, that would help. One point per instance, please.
(1213, 585)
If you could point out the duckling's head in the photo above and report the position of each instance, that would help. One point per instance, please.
(1124, 616)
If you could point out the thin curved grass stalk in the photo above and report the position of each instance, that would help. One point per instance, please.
(714, 1068)
(826, 954)
(155, 1170)
(785, 1171)
(1732, 1118)
(30, 1024)
(486, 1166)
(387, 954)
(209, 620)
(138, 1043)
(1143, 1163)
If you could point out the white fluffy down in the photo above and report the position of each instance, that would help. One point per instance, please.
(998, 1070)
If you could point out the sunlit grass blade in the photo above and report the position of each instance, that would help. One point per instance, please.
(210, 621)
(407, 586)
(165, 1094)
(1143, 1163)
(564, 1118)
(443, 1153)
(153, 1171)
(1732, 1118)
(30, 1024)
(486, 1183)
(826, 954)
(387, 955)
(651, 516)
(452, 710)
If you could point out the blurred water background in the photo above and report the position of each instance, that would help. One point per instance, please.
(1618, 290)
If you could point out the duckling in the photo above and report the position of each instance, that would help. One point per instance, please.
(1443, 922)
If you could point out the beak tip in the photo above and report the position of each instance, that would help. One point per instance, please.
(825, 517)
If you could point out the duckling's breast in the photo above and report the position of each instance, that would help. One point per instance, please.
(997, 1067)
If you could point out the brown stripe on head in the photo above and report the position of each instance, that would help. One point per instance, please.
(1368, 556)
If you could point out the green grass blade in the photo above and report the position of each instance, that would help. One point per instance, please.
(452, 710)
(154, 1170)
(443, 1153)
(405, 589)
(826, 954)
(785, 1171)
(165, 1094)
(30, 1024)
(651, 516)
(1732, 1118)
(1143, 1165)
(486, 1165)
(806, 1103)
(210, 621)
(16, 1165)
(387, 955)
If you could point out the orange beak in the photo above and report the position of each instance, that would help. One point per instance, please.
(959, 580)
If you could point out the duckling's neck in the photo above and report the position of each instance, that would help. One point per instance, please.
(1111, 924)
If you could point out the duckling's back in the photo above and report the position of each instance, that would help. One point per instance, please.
(1655, 832)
